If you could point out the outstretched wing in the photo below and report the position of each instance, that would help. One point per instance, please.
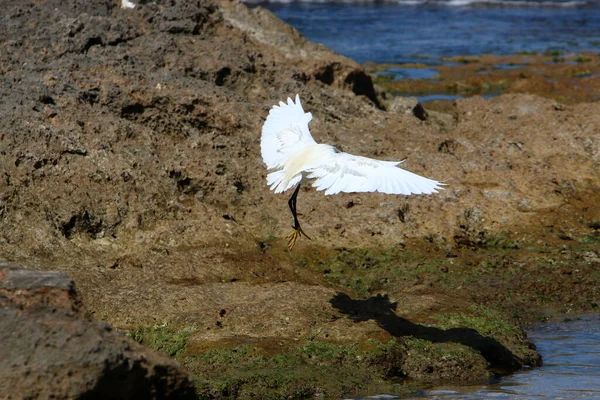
(284, 132)
(349, 173)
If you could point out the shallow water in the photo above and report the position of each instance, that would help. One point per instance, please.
(571, 369)
(410, 73)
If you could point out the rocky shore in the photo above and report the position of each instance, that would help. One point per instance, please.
(51, 348)
(131, 165)
(569, 78)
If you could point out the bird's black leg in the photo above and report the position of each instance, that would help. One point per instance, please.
(292, 205)
(292, 237)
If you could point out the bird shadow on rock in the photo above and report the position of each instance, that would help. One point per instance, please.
(380, 309)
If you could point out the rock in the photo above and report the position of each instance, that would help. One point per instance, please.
(130, 158)
(318, 62)
(408, 105)
(51, 348)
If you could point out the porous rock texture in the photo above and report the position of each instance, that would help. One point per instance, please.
(51, 348)
(130, 159)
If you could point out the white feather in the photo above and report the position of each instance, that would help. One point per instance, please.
(127, 4)
(287, 146)
(285, 131)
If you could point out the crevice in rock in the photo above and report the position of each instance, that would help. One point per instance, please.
(326, 74)
(362, 84)
(221, 75)
(93, 41)
(85, 222)
(136, 108)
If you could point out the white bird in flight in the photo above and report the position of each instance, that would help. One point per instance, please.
(288, 147)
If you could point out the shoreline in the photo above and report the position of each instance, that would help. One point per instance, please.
(566, 78)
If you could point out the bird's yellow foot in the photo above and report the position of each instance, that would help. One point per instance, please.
(294, 235)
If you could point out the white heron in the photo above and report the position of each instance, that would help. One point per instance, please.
(288, 147)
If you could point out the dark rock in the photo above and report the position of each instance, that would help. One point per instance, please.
(51, 348)
(420, 112)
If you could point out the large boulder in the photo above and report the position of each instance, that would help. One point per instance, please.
(51, 348)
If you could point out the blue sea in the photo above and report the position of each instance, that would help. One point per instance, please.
(427, 31)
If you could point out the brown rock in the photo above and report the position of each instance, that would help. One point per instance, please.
(130, 158)
(408, 105)
(51, 349)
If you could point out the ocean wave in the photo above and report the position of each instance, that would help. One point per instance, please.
(448, 3)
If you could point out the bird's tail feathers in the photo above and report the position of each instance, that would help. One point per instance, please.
(277, 182)
(274, 179)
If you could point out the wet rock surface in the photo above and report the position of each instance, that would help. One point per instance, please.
(131, 161)
(567, 77)
(52, 349)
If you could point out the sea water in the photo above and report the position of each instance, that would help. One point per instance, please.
(431, 32)
(427, 31)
